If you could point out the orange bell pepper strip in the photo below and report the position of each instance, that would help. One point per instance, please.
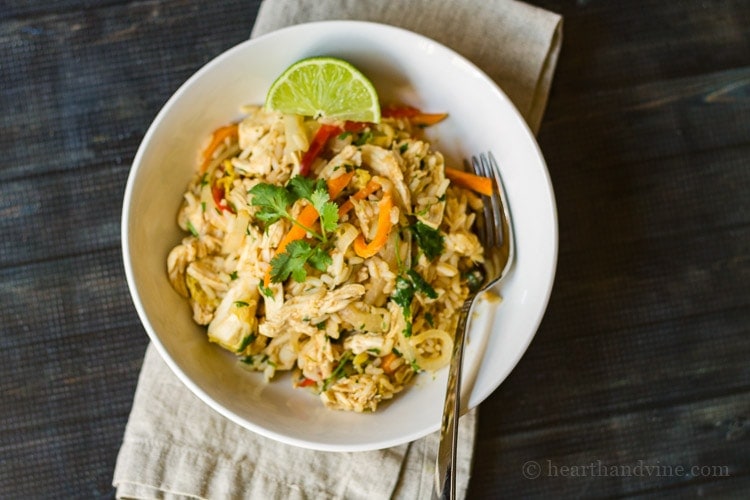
(366, 250)
(482, 185)
(337, 184)
(363, 193)
(414, 115)
(218, 137)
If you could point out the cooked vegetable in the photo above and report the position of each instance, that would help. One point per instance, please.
(292, 261)
(363, 193)
(482, 185)
(310, 214)
(428, 239)
(366, 250)
(219, 136)
(414, 115)
(324, 133)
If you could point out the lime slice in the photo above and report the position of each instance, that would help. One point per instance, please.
(324, 87)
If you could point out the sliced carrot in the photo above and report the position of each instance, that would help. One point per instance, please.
(218, 137)
(307, 217)
(482, 185)
(363, 193)
(366, 250)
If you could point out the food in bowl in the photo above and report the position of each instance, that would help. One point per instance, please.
(403, 68)
(338, 250)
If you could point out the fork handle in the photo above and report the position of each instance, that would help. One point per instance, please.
(445, 474)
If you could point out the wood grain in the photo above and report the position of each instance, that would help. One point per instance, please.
(642, 357)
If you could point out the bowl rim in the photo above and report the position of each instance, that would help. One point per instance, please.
(475, 398)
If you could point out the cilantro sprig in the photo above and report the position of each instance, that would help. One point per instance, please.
(275, 203)
(292, 261)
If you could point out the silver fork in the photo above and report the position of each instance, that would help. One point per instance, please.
(496, 235)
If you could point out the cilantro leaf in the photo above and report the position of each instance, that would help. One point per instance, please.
(430, 240)
(403, 295)
(329, 216)
(319, 259)
(292, 261)
(272, 200)
(316, 193)
(304, 187)
(327, 210)
(319, 198)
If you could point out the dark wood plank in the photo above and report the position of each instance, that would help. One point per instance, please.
(67, 389)
(607, 372)
(642, 354)
(81, 87)
(611, 45)
(651, 122)
(703, 434)
(45, 212)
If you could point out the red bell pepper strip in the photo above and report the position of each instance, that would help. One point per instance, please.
(218, 194)
(324, 133)
(306, 382)
(350, 126)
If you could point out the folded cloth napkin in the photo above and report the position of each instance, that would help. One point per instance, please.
(175, 446)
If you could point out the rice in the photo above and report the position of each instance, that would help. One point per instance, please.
(372, 297)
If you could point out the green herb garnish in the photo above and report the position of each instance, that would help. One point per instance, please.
(430, 240)
(292, 261)
(192, 229)
(339, 371)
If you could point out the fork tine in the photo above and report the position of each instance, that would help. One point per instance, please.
(486, 231)
(503, 221)
(493, 171)
(490, 233)
(483, 219)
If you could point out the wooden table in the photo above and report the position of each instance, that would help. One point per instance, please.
(638, 380)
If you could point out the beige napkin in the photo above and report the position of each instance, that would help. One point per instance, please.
(175, 446)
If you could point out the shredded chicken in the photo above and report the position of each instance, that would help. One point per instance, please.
(354, 326)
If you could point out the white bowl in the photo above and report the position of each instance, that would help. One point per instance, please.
(405, 67)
